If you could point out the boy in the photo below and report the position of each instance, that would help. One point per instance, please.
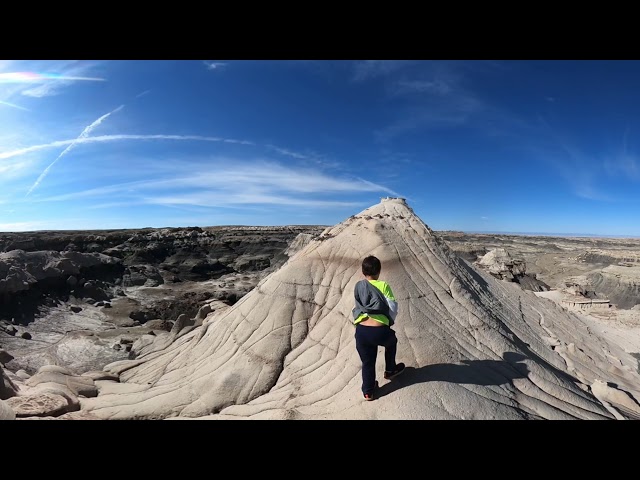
(374, 314)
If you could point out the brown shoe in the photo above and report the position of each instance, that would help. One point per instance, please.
(369, 396)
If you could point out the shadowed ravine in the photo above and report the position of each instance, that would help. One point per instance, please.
(477, 348)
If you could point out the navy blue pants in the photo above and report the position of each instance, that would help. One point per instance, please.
(367, 341)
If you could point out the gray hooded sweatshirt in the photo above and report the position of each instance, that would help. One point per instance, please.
(370, 300)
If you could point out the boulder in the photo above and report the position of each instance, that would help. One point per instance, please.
(79, 385)
(8, 389)
(6, 412)
(41, 405)
(5, 357)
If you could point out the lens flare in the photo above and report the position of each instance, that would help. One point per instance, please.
(26, 77)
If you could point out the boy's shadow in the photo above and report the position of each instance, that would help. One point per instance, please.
(477, 372)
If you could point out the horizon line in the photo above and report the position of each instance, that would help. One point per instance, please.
(543, 234)
(467, 232)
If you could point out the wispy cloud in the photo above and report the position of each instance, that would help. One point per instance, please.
(115, 138)
(282, 178)
(578, 169)
(13, 169)
(53, 87)
(40, 91)
(236, 183)
(310, 157)
(436, 86)
(288, 153)
(43, 78)
(484, 218)
(13, 105)
(232, 182)
(21, 226)
(313, 157)
(438, 98)
(211, 65)
(143, 93)
(624, 163)
(83, 135)
(424, 119)
(208, 199)
(378, 188)
(367, 69)
(69, 223)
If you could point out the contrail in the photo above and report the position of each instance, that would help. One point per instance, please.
(14, 106)
(83, 136)
(114, 138)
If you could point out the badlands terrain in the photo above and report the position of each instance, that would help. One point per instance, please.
(253, 322)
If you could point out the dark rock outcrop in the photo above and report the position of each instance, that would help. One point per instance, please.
(8, 389)
(31, 279)
(619, 284)
(5, 357)
(470, 253)
(58, 288)
(42, 268)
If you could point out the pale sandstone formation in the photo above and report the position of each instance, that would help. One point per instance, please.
(475, 347)
(625, 403)
(80, 385)
(502, 265)
(38, 404)
(499, 263)
(53, 391)
(6, 412)
(298, 243)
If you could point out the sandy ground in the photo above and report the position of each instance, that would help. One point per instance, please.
(623, 331)
(620, 327)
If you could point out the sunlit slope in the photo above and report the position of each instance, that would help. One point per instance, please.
(476, 348)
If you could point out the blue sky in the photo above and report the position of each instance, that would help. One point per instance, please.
(512, 146)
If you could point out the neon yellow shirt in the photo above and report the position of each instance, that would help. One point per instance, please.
(386, 291)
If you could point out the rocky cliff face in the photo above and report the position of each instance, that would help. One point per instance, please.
(29, 280)
(56, 264)
(85, 304)
(556, 260)
(610, 257)
(619, 284)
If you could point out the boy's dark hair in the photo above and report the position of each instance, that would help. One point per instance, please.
(371, 266)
